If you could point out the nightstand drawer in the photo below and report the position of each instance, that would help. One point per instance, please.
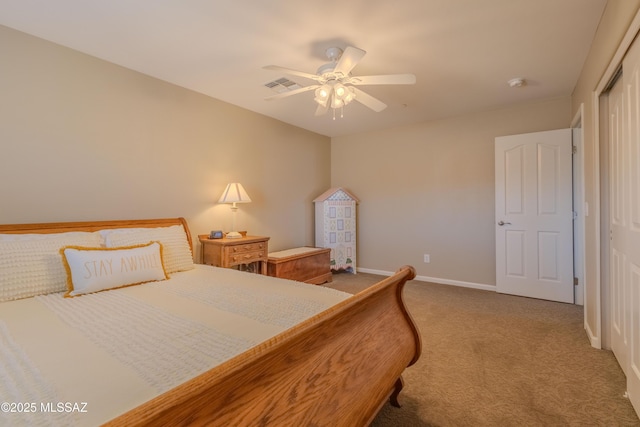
(249, 247)
(247, 257)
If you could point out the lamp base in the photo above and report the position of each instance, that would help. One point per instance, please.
(233, 235)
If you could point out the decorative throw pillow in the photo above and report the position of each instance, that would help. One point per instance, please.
(31, 266)
(176, 253)
(97, 269)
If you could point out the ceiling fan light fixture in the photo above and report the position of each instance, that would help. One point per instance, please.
(323, 93)
(336, 102)
(336, 94)
(350, 95)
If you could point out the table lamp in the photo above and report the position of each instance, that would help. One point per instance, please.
(234, 193)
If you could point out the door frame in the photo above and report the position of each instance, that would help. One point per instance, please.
(597, 334)
(579, 255)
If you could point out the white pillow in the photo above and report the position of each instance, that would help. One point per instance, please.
(176, 253)
(97, 269)
(30, 267)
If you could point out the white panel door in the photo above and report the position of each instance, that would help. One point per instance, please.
(625, 231)
(618, 262)
(534, 215)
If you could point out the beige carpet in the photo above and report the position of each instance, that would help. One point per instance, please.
(499, 360)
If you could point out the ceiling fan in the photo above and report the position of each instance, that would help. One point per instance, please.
(336, 87)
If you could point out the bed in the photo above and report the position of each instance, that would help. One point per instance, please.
(186, 347)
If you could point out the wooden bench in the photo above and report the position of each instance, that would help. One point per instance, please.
(305, 264)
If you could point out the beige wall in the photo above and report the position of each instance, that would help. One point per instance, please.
(429, 188)
(617, 16)
(83, 139)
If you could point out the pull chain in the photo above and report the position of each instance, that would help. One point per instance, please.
(341, 112)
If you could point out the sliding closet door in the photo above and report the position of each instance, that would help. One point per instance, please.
(625, 227)
(618, 224)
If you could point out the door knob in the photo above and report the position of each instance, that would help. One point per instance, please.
(501, 223)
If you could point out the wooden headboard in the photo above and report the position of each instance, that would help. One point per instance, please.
(61, 227)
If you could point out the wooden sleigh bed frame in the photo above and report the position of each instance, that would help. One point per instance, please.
(337, 368)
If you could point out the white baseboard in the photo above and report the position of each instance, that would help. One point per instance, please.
(593, 339)
(435, 280)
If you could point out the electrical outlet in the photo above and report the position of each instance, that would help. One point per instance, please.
(427, 258)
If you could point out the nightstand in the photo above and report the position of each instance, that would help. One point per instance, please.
(228, 253)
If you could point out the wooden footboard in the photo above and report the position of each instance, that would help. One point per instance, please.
(335, 369)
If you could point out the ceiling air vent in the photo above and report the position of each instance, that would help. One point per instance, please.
(282, 85)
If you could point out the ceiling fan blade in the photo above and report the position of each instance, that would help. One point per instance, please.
(369, 101)
(292, 72)
(349, 59)
(388, 79)
(291, 92)
(322, 110)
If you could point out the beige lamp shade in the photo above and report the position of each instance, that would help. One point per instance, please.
(234, 193)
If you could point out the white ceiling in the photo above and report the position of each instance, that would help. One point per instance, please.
(462, 52)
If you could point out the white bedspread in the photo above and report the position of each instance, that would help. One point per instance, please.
(85, 360)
